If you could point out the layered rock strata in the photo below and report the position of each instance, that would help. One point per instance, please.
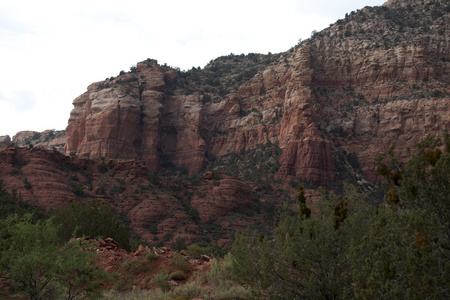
(376, 78)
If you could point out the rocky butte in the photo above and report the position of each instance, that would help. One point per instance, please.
(375, 78)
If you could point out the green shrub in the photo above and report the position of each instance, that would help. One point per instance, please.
(151, 256)
(221, 270)
(168, 237)
(76, 186)
(137, 266)
(27, 184)
(180, 262)
(103, 168)
(178, 275)
(195, 250)
(180, 244)
(161, 280)
(190, 290)
(228, 290)
(95, 219)
(193, 214)
(124, 283)
(39, 266)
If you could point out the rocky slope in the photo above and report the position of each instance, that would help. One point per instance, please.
(159, 208)
(375, 78)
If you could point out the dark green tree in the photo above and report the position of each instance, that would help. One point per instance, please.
(77, 271)
(40, 267)
(95, 219)
(27, 254)
(305, 259)
(399, 250)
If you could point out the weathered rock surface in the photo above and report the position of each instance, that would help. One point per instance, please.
(48, 139)
(5, 140)
(37, 175)
(376, 78)
(49, 180)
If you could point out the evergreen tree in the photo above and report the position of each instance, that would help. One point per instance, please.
(95, 219)
(399, 250)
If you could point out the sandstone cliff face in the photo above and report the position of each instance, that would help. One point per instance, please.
(376, 78)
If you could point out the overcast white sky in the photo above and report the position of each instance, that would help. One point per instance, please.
(50, 51)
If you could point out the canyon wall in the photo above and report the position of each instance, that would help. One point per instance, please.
(377, 78)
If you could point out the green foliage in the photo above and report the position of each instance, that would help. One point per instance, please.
(190, 290)
(137, 266)
(161, 280)
(349, 249)
(11, 203)
(221, 270)
(305, 212)
(102, 168)
(180, 262)
(151, 256)
(168, 237)
(77, 187)
(39, 266)
(28, 252)
(220, 76)
(306, 258)
(94, 219)
(179, 244)
(424, 182)
(257, 165)
(196, 250)
(124, 283)
(221, 278)
(77, 271)
(401, 256)
(177, 275)
(194, 214)
(26, 184)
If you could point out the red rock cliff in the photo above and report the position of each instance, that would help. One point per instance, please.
(376, 78)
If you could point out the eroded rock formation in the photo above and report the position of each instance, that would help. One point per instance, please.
(376, 78)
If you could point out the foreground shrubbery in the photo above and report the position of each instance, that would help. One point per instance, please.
(38, 266)
(399, 250)
(37, 256)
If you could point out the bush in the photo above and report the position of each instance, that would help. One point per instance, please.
(190, 290)
(195, 250)
(221, 270)
(103, 168)
(228, 290)
(178, 275)
(180, 262)
(194, 214)
(137, 266)
(151, 256)
(161, 280)
(27, 184)
(94, 219)
(350, 249)
(124, 283)
(168, 237)
(77, 187)
(180, 244)
(38, 265)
